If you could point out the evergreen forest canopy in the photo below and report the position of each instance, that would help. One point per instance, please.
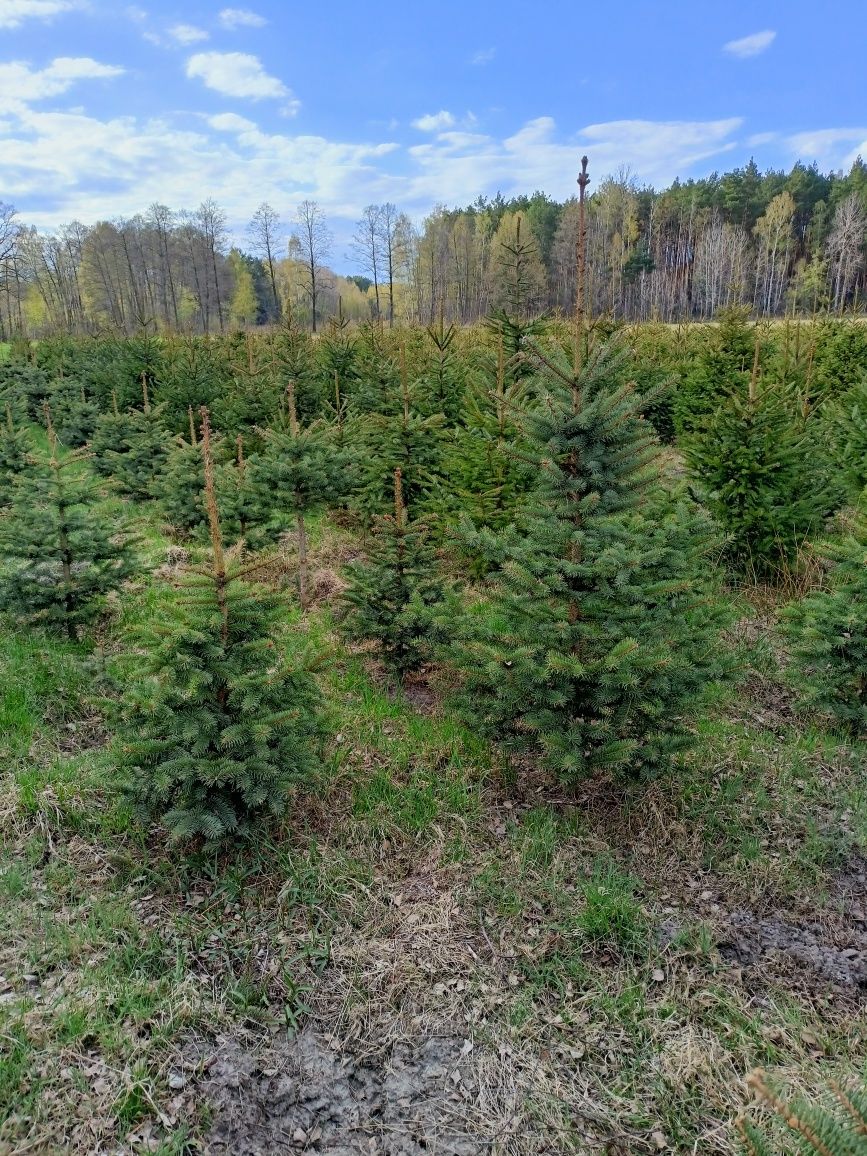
(779, 243)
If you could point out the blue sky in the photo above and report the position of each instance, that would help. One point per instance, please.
(106, 108)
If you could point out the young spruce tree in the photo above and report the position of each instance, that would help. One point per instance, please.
(219, 726)
(765, 477)
(395, 592)
(59, 555)
(596, 638)
(298, 473)
(15, 451)
(827, 635)
(131, 446)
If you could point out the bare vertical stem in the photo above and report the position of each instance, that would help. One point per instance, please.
(404, 383)
(581, 271)
(303, 583)
(220, 578)
(399, 507)
(293, 410)
(754, 376)
(194, 441)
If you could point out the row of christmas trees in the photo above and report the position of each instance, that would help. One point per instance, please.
(773, 424)
(591, 641)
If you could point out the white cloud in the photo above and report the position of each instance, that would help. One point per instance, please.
(15, 12)
(483, 56)
(74, 166)
(434, 121)
(86, 168)
(19, 84)
(831, 148)
(455, 167)
(750, 45)
(232, 18)
(761, 138)
(239, 74)
(187, 33)
(231, 122)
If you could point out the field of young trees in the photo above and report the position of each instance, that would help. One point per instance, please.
(780, 243)
(422, 736)
(434, 739)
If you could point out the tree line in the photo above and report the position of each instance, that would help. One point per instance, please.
(778, 243)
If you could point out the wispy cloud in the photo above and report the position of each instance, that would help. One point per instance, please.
(483, 56)
(434, 121)
(239, 74)
(835, 148)
(19, 84)
(15, 12)
(761, 138)
(187, 33)
(64, 165)
(750, 45)
(457, 166)
(241, 18)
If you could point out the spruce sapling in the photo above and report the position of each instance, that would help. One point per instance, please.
(827, 635)
(15, 451)
(395, 592)
(60, 555)
(219, 726)
(298, 473)
(596, 637)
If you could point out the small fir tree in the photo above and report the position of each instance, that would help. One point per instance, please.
(239, 495)
(844, 424)
(74, 414)
(720, 369)
(484, 459)
(337, 356)
(827, 635)
(406, 440)
(596, 637)
(441, 388)
(764, 476)
(298, 474)
(219, 726)
(60, 555)
(395, 593)
(15, 455)
(180, 485)
(26, 388)
(131, 447)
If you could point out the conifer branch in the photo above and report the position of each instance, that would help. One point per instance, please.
(758, 1081)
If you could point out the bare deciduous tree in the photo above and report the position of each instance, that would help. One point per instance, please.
(846, 248)
(310, 245)
(265, 237)
(365, 247)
